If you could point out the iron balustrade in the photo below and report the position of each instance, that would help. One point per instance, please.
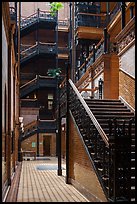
(96, 53)
(64, 23)
(86, 7)
(27, 76)
(91, 20)
(37, 82)
(106, 152)
(63, 98)
(40, 126)
(29, 103)
(38, 48)
(37, 17)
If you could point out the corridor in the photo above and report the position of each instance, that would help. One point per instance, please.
(39, 183)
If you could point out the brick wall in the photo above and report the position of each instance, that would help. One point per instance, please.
(111, 76)
(81, 169)
(27, 144)
(127, 88)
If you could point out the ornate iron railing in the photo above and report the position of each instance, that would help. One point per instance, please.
(39, 81)
(37, 17)
(39, 126)
(38, 48)
(29, 103)
(87, 7)
(91, 20)
(106, 152)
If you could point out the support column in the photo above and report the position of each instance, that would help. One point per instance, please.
(67, 126)
(105, 40)
(37, 136)
(123, 5)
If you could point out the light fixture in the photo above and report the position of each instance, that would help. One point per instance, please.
(63, 128)
(20, 119)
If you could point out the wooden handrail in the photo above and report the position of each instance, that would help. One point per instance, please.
(28, 48)
(93, 14)
(29, 16)
(87, 89)
(89, 112)
(31, 124)
(63, 83)
(29, 82)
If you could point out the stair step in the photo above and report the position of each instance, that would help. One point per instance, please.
(105, 102)
(112, 112)
(106, 106)
(124, 117)
(115, 109)
(102, 100)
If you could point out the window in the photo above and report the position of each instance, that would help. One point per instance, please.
(33, 144)
(50, 105)
(50, 96)
(50, 101)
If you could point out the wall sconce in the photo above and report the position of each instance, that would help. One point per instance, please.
(63, 128)
(20, 119)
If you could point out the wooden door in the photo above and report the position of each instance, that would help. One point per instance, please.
(46, 145)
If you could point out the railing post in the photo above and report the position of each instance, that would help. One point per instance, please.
(67, 124)
(105, 40)
(38, 11)
(59, 133)
(37, 136)
(94, 52)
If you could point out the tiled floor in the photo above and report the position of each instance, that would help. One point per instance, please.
(39, 183)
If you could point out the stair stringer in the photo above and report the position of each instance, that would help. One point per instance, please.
(82, 170)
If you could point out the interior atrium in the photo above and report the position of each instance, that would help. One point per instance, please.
(68, 95)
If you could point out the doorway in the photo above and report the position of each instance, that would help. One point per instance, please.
(46, 145)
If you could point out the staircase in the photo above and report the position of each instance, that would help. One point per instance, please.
(39, 48)
(36, 83)
(43, 18)
(107, 128)
(107, 109)
(40, 126)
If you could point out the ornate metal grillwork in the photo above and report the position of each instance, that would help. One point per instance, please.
(111, 158)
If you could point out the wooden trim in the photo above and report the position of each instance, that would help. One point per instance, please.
(127, 104)
(126, 30)
(127, 73)
(98, 74)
